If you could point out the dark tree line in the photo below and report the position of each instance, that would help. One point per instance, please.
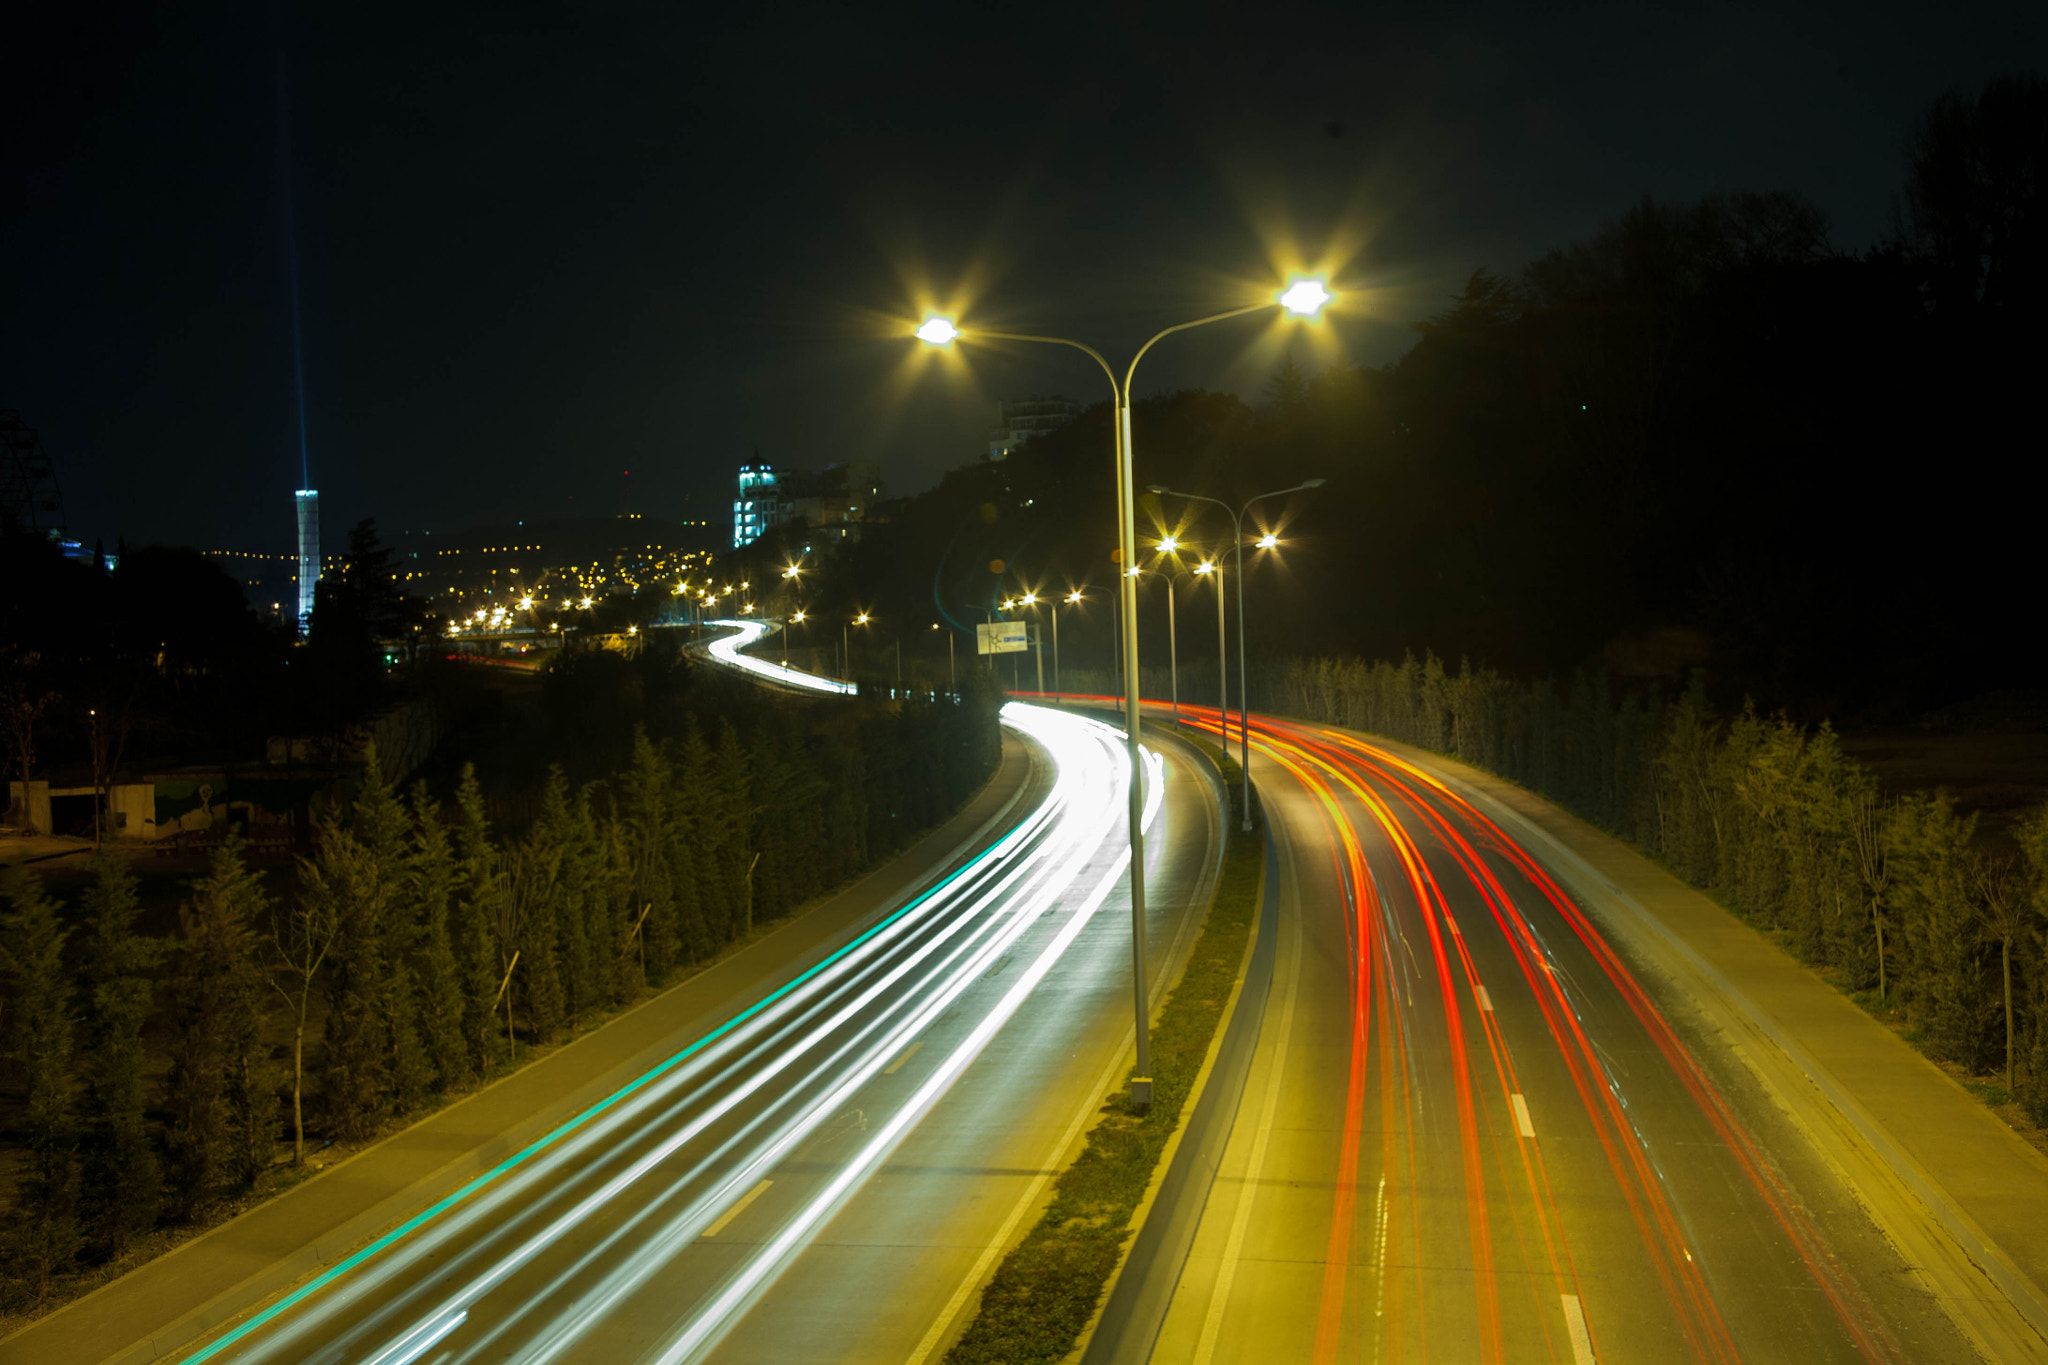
(1703, 435)
(422, 947)
(1888, 892)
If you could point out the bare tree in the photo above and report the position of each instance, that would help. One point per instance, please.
(2007, 912)
(1873, 863)
(303, 933)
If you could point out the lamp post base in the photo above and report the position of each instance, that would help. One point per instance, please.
(1141, 1094)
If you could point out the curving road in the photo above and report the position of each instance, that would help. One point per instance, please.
(815, 1178)
(1470, 1134)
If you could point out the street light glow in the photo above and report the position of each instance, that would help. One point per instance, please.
(861, 619)
(1074, 596)
(526, 604)
(1305, 297)
(797, 619)
(1029, 599)
(937, 331)
(1169, 545)
(1206, 566)
(1268, 541)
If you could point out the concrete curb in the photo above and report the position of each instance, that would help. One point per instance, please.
(278, 1273)
(1127, 1325)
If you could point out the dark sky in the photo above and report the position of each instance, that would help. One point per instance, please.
(540, 247)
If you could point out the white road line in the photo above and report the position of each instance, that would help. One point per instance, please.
(905, 1056)
(1522, 1116)
(1582, 1340)
(1485, 1000)
(737, 1209)
(1241, 1217)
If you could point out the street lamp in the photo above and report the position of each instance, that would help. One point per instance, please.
(1303, 297)
(1265, 542)
(952, 675)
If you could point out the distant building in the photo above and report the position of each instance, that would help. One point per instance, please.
(761, 504)
(308, 504)
(1020, 419)
(834, 501)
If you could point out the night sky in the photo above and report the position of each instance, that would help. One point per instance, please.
(536, 248)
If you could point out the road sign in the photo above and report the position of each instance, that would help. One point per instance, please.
(1002, 637)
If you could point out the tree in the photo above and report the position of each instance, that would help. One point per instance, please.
(26, 695)
(304, 935)
(480, 888)
(221, 1102)
(1977, 210)
(2033, 841)
(123, 1184)
(2007, 912)
(42, 1227)
(431, 884)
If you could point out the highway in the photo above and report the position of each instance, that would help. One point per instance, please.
(825, 1175)
(1471, 1134)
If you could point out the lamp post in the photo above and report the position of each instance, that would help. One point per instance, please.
(952, 678)
(1211, 566)
(1168, 546)
(1073, 599)
(1266, 542)
(1303, 298)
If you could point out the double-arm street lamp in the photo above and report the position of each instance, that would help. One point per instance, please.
(1303, 298)
(1265, 542)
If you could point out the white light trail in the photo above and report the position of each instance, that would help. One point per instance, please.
(678, 1149)
(727, 651)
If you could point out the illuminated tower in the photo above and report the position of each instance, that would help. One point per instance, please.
(308, 500)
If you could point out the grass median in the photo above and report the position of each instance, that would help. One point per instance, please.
(1046, 1289)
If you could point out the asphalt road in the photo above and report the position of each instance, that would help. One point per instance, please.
(827, 1176)
(1470, 1133)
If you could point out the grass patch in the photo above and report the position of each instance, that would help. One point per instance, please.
(1046, 1289)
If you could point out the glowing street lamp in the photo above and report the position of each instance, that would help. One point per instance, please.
(1265, 542)
(1303, 297)
(1306, 297)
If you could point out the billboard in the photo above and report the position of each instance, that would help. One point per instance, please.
(1002, 637)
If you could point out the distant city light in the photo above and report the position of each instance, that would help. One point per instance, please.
(937, 331)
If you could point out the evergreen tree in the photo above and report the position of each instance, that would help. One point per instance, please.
(347, 885)
(2033, 840)
(540, 962)
(122, 1181)
(380, 821)
(480, 888)
(431, 879)
(220, 1096)
(732, 785)
(42, 1233)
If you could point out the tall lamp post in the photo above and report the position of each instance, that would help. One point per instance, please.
(1204, 569)
(1244, 743)
(1303, 298)
(1073, 599)
(1167, 547)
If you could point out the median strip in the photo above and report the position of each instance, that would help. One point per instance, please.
(1043, 1294)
